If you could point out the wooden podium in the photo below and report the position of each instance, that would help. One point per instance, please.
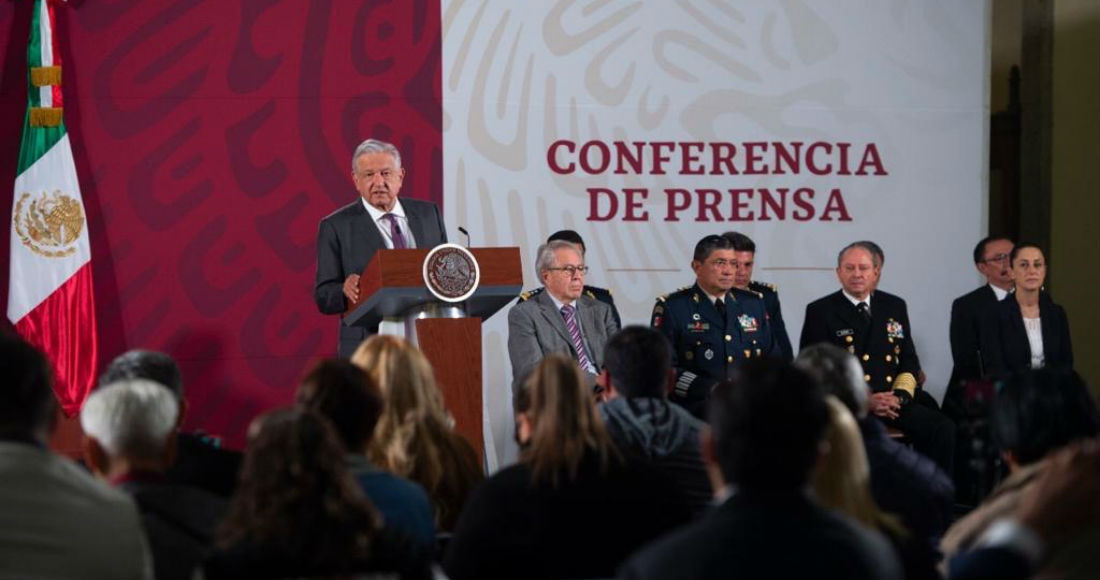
(392, 286)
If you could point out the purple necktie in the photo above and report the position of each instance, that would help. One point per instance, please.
(568, 313)
(395, 232)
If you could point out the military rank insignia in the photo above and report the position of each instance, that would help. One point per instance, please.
(748, 323)
(894, 329)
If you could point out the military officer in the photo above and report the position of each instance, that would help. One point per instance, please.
(711, 325)
(874, 325)
(593, 292)
(744, 251)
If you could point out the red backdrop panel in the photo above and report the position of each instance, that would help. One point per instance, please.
(210, 139)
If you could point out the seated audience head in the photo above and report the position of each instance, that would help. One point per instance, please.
(27, 402)
(346, 395)
(568, 236)
(129, 425)
(296, 496)
(152, 365)
(713, 264)
(767, 423)
(560, 268)
(993, 258)
(637, 363)
(842, 480)
(413, 409)
(839, 374)
(1039, 411)
(858, 268)
(1029, 267)
(563, 422)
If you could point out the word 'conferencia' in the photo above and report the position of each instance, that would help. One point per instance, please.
(697, 158)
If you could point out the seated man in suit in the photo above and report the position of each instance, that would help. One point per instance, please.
(56, 520)
(348, 238)
(199, 460)
(744, 252)
(595, 292)
(559, 319)
(874, 326)
(767, 426)
(129, 439)
(967, 312)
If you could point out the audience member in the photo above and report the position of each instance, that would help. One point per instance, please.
(903, 482)
(573, 507)
(842, 482)
(129, 440)
(297, 512)
(1064, 501)
(200, 462)
(56, 520)
(349, 399)
(1026, 330)
(640, 419)
(767, 424)
(415, 437)
(1035, 414)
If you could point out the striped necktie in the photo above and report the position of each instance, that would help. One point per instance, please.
(568, 312)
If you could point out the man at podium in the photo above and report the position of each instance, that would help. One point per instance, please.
(348, 238)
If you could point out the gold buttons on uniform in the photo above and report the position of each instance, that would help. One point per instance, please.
(889, 379)
(866, 378)
(889, 358)
(728, 338)
(729, 359)
(848, 339)
(689, 355)
(891, 340)
(866, 357)
(748, 353)
(897, 350)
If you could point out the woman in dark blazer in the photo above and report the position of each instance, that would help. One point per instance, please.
(1026, 330)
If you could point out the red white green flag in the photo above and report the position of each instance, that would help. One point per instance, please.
(50, 295)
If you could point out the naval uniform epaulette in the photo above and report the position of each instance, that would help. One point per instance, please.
(759, 286)
(734, 291)
(529, 294)
(593, 292)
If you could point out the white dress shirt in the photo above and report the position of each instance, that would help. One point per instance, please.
(383, 223)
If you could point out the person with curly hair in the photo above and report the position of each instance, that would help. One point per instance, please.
(298, 513)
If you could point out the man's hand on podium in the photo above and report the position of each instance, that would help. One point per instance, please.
(351, 288)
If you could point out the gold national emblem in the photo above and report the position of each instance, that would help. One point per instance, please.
(49, 224)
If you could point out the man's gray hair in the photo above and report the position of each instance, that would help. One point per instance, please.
(376, 146)
(838, 373)
(871, 248)
(544, 260)
(131, 418)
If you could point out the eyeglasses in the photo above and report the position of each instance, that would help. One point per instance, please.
(996, 259)
(571, 270)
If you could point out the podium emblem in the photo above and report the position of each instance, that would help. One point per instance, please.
(451, 273)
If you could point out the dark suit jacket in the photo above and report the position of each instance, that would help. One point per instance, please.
(179, 521)
(775, 535)
(347, 240)
(536, 328)
(967, 313)
(1004, 339)
(201, 463)
(882, 352)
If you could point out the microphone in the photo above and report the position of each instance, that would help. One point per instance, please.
(465, 233)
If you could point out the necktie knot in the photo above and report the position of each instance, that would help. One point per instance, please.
(864, 310)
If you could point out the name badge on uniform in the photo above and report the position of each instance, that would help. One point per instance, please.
(748, 323)
(698, 326)
(845, 332)
(894, 329)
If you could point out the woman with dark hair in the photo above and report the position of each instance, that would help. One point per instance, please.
(1035, 414)
(298, 513)
(573, 507)
(1026, 330)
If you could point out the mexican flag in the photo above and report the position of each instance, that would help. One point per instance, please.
(50, 296)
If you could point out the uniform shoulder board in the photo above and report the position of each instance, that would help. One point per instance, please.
(589, 293)
(736, 291)
(529, 294)
(762, 286)
(597, 291)
(662, 298)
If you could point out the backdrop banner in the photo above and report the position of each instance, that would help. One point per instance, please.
(645, 126)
